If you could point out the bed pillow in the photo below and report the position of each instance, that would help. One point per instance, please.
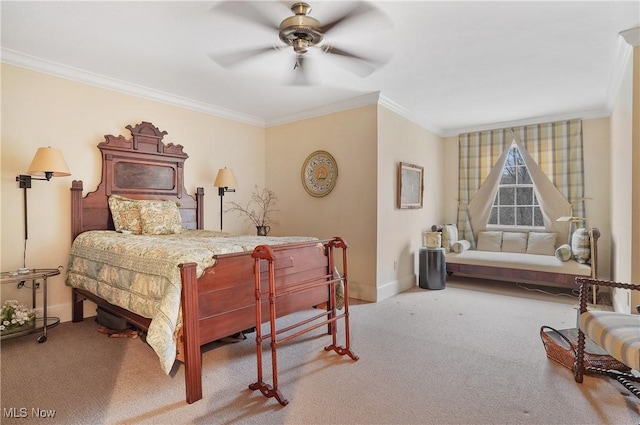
(490, 241)
(563, 253)
(461, 246)
(542, 243)
(449, 236)
(514, 242)
(126, 214)
(160, 218)
(581, 245)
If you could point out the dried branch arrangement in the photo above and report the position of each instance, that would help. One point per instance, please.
(259, 209)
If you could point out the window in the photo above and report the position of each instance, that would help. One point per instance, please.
(516, 203)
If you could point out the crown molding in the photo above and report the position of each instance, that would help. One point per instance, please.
(404, 112)
(15, 58)
(33, 63)
(624, 53)
(343, 105)
(632, 36)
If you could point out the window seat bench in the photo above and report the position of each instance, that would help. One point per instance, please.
(545, 270)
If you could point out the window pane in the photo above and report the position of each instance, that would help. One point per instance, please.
(507, 196)
(525, 216)
(518, 157)
(508, 175)
(493, 217)
(537, 217)
(511, 157)
(524, 196)
(507, 216)
(524, 177)
(516, 203)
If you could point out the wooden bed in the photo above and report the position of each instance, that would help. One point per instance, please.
(223, 300)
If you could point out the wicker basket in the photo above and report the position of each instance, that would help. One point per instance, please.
(561, 349)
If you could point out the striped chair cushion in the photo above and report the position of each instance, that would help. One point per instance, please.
(617, 333)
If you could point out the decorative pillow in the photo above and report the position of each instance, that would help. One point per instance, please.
(461, 246)
(514, 242)
(581, 245)
(490, 241)
(563, 253)
(449, 236)
(542, 243)
(126, 214)
(160, 217)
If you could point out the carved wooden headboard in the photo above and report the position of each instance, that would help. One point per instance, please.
(142, 167)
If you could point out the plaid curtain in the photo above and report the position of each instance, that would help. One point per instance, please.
(556, 147)
(478, 153)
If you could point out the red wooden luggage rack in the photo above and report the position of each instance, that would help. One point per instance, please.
(330, 317)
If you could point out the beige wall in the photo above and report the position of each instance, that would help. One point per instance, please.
(597, 172)
(625, 160)
(450, 163)
(635, 230)
(40, 110)
(368, 143)
(621, 174)
(400, 230)
(349, 211)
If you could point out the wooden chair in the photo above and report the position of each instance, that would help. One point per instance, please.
(616, 333)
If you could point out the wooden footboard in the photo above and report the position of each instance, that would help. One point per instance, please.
(222, 301)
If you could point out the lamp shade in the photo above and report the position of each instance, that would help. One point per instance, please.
(225, 178)
(48, 160)
(570, 218)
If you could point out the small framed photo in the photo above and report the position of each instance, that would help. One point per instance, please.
(410, 185)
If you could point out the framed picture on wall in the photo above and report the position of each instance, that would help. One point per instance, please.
(410, 185)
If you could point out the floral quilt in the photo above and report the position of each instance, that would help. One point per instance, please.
(140, 273)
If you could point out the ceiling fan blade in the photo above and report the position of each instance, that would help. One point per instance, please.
(230, 59)
(361, 65)
(248, 11)
(360, 8)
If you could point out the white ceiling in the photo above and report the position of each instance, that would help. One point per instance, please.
(452, 66)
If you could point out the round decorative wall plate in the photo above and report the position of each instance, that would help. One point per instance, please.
(319, 173)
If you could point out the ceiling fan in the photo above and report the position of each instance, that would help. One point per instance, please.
(302, 33)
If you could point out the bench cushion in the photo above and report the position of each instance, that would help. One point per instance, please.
(617, 333)
(512, 260)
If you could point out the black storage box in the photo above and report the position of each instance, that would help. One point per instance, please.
(110, 321)
(433, 268)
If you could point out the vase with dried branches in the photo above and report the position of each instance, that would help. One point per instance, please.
(259, 210)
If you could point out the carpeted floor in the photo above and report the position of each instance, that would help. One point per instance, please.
(469, 354)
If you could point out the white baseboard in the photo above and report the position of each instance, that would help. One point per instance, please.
(395, 287)
(619, 306)
(63, 311)
(362, 292)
